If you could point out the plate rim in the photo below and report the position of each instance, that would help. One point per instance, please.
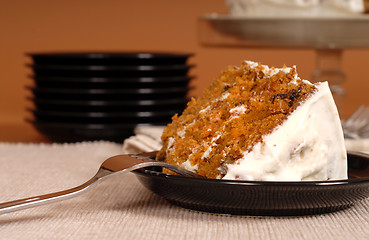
(123, 80)
(87, 126)
(225, 17)
(104, 91)
(109, 54)
(92, 67)
(328, 183)
(149, 102)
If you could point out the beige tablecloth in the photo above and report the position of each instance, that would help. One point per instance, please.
(121, 208)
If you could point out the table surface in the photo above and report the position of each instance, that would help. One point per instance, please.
(121, 208)
(133, 212)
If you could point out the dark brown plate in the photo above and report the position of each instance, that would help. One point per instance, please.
(109, 94)
(77, 132)
(95, 82)
(262, 198)
(174, 104)
(101, 115)
(110, 71)
(109, 58)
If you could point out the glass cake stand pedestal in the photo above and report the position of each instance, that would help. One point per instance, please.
(329, 36)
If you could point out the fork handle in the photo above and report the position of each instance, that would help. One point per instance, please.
(35, 201)
(115, 164)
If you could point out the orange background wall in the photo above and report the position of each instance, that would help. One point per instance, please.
(140, 25)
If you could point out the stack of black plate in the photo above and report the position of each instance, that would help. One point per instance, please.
(104, 96)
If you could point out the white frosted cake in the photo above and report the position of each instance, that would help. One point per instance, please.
(261, 124)
(296, 8)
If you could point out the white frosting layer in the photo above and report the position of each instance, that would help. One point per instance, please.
(309, 145)
(277, 8)
(270, 71)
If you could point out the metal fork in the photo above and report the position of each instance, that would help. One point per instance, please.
(113, 165)
(357, 125)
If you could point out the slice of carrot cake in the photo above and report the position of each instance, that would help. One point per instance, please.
(259, 123)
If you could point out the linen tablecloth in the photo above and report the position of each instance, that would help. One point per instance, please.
(121, 208)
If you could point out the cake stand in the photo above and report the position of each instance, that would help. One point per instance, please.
(329, 36)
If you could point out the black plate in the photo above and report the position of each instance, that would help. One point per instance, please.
(144, 82)
(110, 71)
(109, 94)
(103, 117)
(69, 114)
(108, 106)
(109, 58)
(262, 198)
(76, 132)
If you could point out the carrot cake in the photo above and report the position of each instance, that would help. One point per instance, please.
(259, 123)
